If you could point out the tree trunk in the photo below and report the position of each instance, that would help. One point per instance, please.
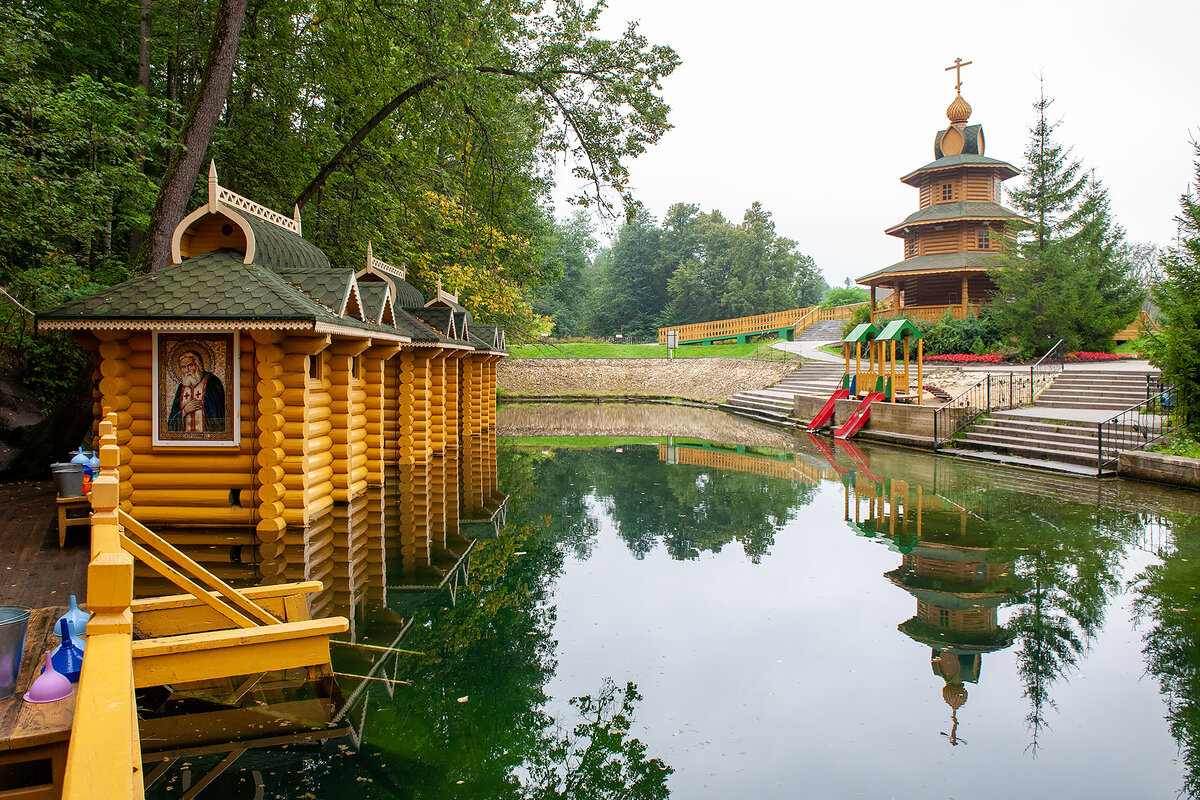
(187, 155)
(316, 183)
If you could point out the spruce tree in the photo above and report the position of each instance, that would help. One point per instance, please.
(1068, 274)
(1175, 346)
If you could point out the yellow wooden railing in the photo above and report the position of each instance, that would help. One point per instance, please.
(800, 319)
(105, 756)
(212, 631)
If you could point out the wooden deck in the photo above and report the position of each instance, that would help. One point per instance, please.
(36, 572)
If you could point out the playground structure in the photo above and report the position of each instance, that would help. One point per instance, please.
(889, 379)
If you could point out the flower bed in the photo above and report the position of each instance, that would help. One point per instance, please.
(966, 358)
(1083, 357)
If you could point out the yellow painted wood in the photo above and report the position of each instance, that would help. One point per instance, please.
(104, 757)
(194, 570)
(184, 582)
(222, 654)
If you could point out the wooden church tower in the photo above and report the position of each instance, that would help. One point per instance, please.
(956, 235)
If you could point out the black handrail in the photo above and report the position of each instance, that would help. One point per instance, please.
(1133, 429)
(1046, 373)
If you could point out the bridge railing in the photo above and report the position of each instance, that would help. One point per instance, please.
(799, 319)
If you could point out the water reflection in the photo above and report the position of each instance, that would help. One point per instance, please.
(462, 677)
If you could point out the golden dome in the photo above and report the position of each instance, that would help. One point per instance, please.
(959, 110)
(955, 694)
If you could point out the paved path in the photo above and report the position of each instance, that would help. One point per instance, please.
(808, 350)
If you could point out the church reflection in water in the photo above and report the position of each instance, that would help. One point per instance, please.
(381, 559)
(951, 560)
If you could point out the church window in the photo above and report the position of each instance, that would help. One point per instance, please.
(996, 191)
(944, 617)
(983, 240)
(356, 368)
(314, 368)
(947, 192)
(911, 246)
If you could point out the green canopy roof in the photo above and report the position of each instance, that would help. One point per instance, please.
(898, 329)
(953, 212)
(863, 332)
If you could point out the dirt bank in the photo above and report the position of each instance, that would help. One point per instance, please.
(712, 380)
(609, 419)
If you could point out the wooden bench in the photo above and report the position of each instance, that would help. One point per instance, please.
(66, 520)
(34, 736)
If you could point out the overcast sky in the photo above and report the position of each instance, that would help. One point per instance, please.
(816, 110)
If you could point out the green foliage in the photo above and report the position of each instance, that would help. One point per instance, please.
(1174, 347)
(70, 153)
(697, 267)
(857, 317)
(1069, 274)
(975, 333)
(844, 296)
(565, 301)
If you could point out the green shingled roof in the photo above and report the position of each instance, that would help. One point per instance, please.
(214, 285)
(440, 318)
(407, 295)
(950, 212)
(372, 295)
(278, 248)
(962, 160)
(415, 329)
(947, 262)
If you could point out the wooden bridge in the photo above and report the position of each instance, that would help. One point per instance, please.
(786, 324)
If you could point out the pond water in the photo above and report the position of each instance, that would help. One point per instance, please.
(687, 619)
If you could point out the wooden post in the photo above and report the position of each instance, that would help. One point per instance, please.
(920, 374)
(872, 303)
(965, 299)
(104, 758)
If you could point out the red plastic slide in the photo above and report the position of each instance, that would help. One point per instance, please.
(822, 417)
(858, 418)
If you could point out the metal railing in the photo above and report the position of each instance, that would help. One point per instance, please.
(996, 393)
(1133, 429)
(1046, 369)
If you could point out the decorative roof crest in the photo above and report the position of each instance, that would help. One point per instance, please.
(218, 194)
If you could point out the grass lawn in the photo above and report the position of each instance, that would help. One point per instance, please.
(1133, 346)
(759, 350)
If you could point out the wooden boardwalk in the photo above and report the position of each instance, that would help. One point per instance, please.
(36, 572)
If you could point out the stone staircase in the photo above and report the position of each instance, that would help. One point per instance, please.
(1095, 389)
(829, 330)
(1032, 439)
(1061, 433)
(776, 403)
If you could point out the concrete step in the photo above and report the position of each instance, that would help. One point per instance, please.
(1098, 405)
(758, 414)
(1029, 450)
(1076, 438)
(1060, 447)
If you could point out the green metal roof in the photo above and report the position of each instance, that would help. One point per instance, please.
(972, 141)
(898, 329)
(952, 212)
(863, 332)
(945, 262)
(962, 160)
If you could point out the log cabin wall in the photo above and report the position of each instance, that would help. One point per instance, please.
(413, 449)
(437, 441)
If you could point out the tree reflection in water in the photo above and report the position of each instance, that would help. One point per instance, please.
(1169, 607)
